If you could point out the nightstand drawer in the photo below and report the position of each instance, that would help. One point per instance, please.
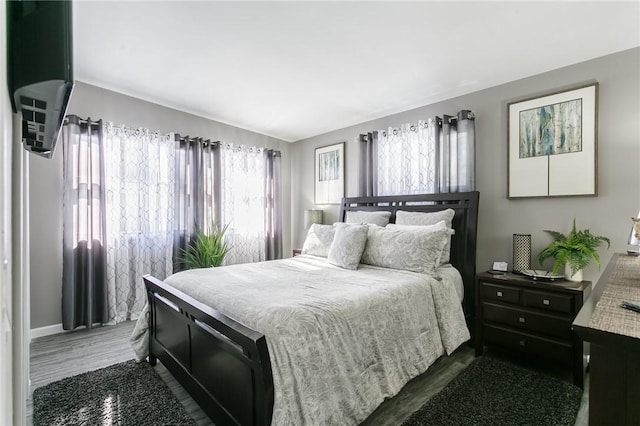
(500, 292)
(539, 322)
(549, 301)
(547, 348)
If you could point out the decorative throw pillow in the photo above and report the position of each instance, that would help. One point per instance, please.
(319, 239)
(446, 251)
(348, 245)
(373, 218)
(417, 250)
(425, 218)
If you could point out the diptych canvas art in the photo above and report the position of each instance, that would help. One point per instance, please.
(552, 144)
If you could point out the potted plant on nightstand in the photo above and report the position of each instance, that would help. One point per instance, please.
(207, 250)
(573, 251)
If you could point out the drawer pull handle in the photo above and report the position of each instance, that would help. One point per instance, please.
(499, 293)
(522, 343)
(521, 319)
(546, 302)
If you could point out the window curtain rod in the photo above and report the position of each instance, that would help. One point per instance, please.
(449, 119)
(74, 119)
(216, 144)
(461, 115)
(196, 139)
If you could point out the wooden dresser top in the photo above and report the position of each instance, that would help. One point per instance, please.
(601, 320)
(622, 285)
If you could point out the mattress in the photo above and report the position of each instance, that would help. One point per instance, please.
(340, 341)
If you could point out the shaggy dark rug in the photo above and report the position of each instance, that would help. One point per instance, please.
(495, 392)
(122, 394)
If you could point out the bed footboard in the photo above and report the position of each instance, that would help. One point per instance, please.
(223, 365)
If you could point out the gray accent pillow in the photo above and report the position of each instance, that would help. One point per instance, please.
(319, 239)
(348, 245)
(429, 218)
(425, 218)
(373, 218)
(446, 251)
(416, 250)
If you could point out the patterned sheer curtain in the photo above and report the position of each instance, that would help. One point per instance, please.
(243, 202)
(436, 155)
(226, 184)
(140, 185)
(84, 295)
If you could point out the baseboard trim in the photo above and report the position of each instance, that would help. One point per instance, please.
(46, 331)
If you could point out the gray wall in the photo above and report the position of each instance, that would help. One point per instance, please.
(46, 182)
(618, 160)
(608, 214)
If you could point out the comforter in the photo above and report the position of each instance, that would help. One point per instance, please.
(340, 341)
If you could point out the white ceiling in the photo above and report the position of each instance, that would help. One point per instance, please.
(293, 70)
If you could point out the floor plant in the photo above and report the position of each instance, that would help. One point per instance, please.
(207, 249)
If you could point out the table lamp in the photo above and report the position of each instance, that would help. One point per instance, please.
(312, 216)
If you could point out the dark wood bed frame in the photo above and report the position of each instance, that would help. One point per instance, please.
(225, 366)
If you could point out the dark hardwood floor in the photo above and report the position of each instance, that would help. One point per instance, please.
(64, 355)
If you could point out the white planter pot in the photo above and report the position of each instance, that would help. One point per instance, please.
(575, 277)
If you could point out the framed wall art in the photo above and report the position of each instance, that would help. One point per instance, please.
(329, 174)
(553, 144)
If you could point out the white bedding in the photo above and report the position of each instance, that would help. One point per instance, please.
(340, 341)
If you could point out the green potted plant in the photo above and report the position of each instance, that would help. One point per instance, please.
(206, 250)
(573, 251)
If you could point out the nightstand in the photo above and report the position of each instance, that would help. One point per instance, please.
(532, 317)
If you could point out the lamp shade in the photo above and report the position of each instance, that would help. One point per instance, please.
(521, 252)
(311, 217)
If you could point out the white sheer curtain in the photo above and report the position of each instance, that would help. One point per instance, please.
(431, 156)
(407, 159)
(140, 195)
(243, 202)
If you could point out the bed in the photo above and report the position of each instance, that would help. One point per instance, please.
(239, 366)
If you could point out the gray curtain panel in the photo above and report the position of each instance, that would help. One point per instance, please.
(197, 191)
(368, 165)
(435, 155)
(84, 291)
(273, 197)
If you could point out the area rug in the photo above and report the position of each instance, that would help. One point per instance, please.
(122, 394)
(495, 392)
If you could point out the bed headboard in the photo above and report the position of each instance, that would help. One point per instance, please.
(465, 223)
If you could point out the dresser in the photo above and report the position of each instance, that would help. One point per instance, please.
(532, 317)
(614, 334)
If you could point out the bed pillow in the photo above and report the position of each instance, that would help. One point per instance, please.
(425, 218)
(446, 251)
(348, 245)
(319, 239)
(417, 250)
(373, 218)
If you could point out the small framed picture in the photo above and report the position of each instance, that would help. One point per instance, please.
(500, 266)
(329, 174)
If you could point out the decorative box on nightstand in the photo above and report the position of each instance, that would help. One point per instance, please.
(533, 317)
